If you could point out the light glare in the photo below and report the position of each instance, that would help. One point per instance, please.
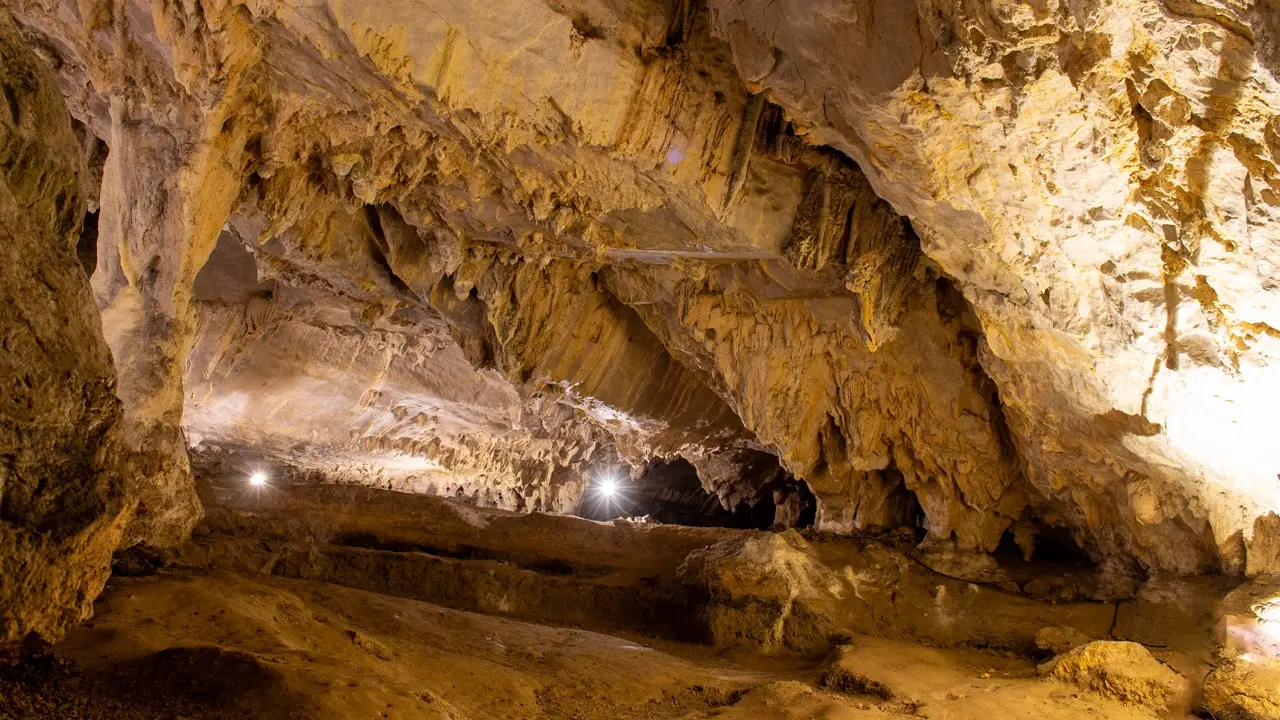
(608, 486)
(258, 479)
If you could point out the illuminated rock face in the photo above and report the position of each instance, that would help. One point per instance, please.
(435, 247)
(1101, 180)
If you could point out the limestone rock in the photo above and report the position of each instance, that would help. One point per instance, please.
(1248, 624)
(1125, 671)
(550, 234)
(1243, 690)
(1245, 685)
(1060, 640)
(61, 495)
(760, 592)
(1263, 549)
(1100, 179)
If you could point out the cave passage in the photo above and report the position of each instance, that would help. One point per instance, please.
(670, 492)
(1046, 545)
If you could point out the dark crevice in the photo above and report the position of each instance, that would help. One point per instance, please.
(1050, 544)
(380, 251)
(680, 22)
(15, 112)
(549, 566)
(587, 29)
(905, 508)
(87, 245)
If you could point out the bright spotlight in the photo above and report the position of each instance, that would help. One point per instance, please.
(258, 479)
(605, 493)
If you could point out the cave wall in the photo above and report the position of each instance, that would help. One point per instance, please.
(1100, 178)
(1010, 262)
(63, 464)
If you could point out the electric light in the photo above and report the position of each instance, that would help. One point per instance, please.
(258, 478)
(608, 486)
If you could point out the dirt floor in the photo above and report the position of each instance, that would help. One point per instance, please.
(202, 644)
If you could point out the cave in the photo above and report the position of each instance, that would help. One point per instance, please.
(764, 359)
(1045, 544)
(670, 492)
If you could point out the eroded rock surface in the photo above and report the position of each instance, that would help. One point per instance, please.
(1246, 681)
(1243, 690)
(1100, 179)
(207, 647)
(1125, 671)
(762, 592)
(997, 271)
(62, 463)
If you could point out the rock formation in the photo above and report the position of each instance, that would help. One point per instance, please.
(62, 463)
(999, 272)
(1100, 180)
(1125, 671)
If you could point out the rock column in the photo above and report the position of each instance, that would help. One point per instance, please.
(165, 199)
(62, 463)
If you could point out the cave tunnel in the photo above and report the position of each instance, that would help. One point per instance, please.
(369, 301)
(669, 491)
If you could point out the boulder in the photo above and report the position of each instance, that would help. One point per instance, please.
(1243, 690)
(1125, 671)
(762, 591)
(1263, 549)
(1249, 621)
(1059, 640)
(1246, 683)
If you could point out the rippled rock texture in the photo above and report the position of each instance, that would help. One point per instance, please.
(999, 270)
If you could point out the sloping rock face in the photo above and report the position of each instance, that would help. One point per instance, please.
(62, 506)
(440, 247)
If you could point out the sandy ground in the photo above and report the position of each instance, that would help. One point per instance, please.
(198, 645)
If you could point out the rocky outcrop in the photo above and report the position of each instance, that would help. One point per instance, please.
(989, 272)
(62, 463)
(766, 592)
(1264, 546)
(1243, 690)
(760, 591)
(1060, 640)
(1125, 671)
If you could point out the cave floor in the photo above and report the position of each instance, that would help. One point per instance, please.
(316, 601)
(211, 644)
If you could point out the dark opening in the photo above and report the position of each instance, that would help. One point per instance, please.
(11, 99)
(87, 245)
(670, 492)
(1050, 544)
(903, 504)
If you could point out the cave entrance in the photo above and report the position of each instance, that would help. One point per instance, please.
(670, 492)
